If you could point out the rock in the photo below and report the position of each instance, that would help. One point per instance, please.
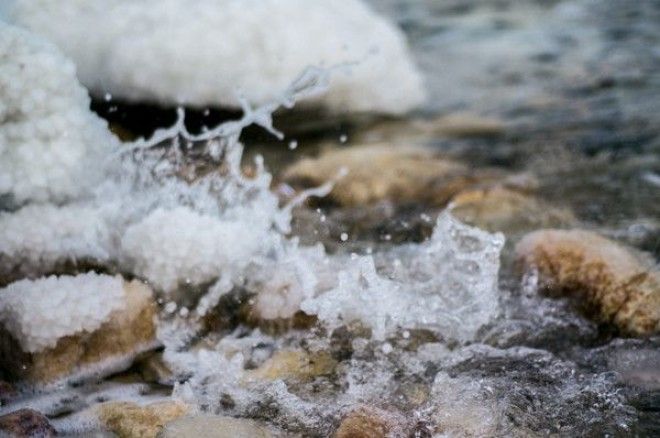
(130, 420)
(7, 392)
(26, 423)
(126, 333)
(613, 283)
(507, 210)
(211, 426)
(420, 131)
(294, 365)
(383, 172)
(369, 422)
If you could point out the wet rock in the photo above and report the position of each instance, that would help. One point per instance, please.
(418, 131)
(130, 420)
(125, 334)
(507, 210)
(7, 392)
(211, 426)
(611, 282)
(294, 365)
(383, 172)
(154, 369)
(369, 422)
(26, 423)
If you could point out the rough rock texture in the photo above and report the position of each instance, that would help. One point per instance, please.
(613, 283)
(368, 422)
(211, 426)
(385, 172)
(129, 420)
(503, 209)
(127, 333)
(26, 423)
(296, 365)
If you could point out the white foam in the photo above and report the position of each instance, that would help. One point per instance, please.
(37, 313)
(201, 53)
(51, 144)
(448, 284)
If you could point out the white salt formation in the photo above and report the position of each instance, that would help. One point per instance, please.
(170, 247)
(202, 53)
(38, 313)
(37, 237)
(51, 145)
(448, 283)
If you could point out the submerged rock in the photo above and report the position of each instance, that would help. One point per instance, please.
(26, 423)
(297, 365)
(211, 426)
(73, 327)
(369, 422)
(610, 281)
(130, 420)
(507, 210)
(382, 171)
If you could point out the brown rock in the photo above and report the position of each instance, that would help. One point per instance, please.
(130, 420)
(503, 209)
(369, 422)
(111, 348)
(378, 172)
(211, 426)
(294, 365)
(614, 284)
(26, 423)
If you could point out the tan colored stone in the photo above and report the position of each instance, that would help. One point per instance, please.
(614, 284)
(384, 172)
(368, 422)
(420, 131)
(503, 209)
(294, 365)
(212, 426)
(112, 347)
(130, 420)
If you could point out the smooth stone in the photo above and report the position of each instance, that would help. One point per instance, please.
(211, 426)
(613, 283)
(130, 420)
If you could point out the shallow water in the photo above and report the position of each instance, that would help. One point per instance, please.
(575, 89)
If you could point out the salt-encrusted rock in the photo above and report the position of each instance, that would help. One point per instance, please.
(615, 284)
(211, 426)
(507, 210)
(202, 54)
(52, 147)
(385, 172)
(40, 239)
(170, 247)
(26, 423)
(130, 420)
(370, 422)
(294, 365)
(71, 327)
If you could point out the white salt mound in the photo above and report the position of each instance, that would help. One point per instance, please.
(200, 53)
(38, 313)
(170, 247)
(51, 145)
(39, 236)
